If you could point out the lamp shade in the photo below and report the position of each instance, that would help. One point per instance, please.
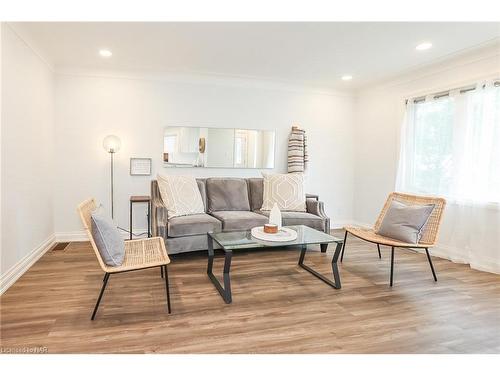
(111, 143)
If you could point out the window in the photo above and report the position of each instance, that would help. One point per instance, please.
(170, 144)
(450, 145)
(240, 148)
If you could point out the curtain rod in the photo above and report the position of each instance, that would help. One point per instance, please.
(445, 93)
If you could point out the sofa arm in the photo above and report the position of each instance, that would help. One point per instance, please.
(159, 213)
(159, 219)
(312, 196)
(317, 208)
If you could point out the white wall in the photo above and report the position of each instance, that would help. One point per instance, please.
(137, 110)
(27, 146)
(472, 237)
(1, 148)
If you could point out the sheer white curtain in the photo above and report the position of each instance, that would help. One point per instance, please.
(450, 147)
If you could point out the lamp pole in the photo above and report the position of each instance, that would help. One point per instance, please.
(111, 144)
(111, 153)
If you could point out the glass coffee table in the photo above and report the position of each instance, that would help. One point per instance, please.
(238, 240)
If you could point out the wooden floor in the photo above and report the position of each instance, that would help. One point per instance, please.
(277, 306)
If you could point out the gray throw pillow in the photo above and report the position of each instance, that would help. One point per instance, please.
(107, 238)
(405, 222)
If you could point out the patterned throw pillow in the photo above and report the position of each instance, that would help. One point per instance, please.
(286, 190)
(181, 195)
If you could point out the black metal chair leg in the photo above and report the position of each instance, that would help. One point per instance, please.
(343, 247)
(168, 288)
(105, 282)
(379, 255)
(392, 264)
(430, 263)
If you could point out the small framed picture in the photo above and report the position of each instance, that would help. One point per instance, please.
(140, 166)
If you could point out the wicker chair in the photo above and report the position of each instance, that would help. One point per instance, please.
(139, 254)
(429, 231)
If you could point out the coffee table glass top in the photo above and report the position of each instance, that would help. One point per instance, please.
(244, 240)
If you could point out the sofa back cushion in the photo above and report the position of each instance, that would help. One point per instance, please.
(203, 190)
(256, 190)
(227, 194)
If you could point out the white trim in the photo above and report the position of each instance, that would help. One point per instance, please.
(453, 254)
(81, 235)
(357, 223)
(75, 236)
(340, 224)
(18, 269)
(207, 79)
(469, 56)
(24, 39)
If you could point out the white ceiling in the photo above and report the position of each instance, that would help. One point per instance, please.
(304, 53)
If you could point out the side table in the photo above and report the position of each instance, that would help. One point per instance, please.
(140, 199)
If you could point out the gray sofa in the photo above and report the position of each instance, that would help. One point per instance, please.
(230, 204)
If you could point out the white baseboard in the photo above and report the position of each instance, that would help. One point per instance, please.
(76, 236)
(81, 235)
(339, 224)
(453, 254)
(18, 269)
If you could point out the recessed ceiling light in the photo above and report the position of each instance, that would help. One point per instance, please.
(346, 77)
(423, 46)
(105, 53)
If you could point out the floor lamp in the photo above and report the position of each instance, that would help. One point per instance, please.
(111, 144)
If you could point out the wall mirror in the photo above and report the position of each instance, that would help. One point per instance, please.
(218, 147)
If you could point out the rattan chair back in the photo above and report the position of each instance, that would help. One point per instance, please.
(431, 229)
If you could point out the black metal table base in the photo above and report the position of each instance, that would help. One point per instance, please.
(225, 291)
(336, 276)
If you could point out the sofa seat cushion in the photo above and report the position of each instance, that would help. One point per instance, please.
(192, 225)
(299, 218)
(240, 220)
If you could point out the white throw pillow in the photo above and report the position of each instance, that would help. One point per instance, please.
(286, 190)
(180, 195)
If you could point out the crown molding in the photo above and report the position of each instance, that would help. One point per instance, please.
(24, 38)
(203, 79)
(473, 55)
